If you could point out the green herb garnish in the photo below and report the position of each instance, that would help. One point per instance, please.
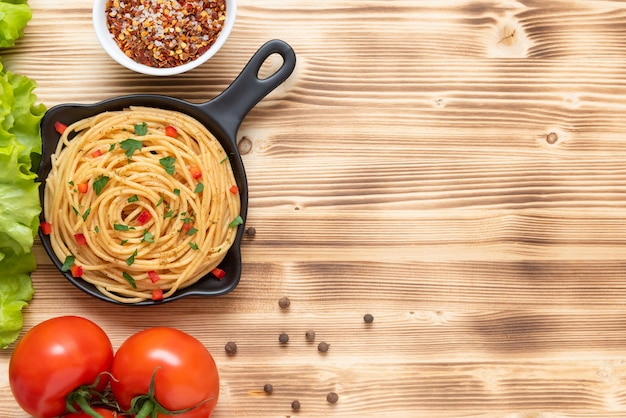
(129, 279)
(147, 237)
(99, 183)
(131, 145)
(133, 198)
(193, 246)
(130, 260)
(69, 260)
(168, 164)
(141, 128)
(235, 222)
(199, 188)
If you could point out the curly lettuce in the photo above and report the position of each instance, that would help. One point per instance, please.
(14, 15)
(20, 153)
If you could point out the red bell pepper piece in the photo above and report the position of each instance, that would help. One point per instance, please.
(82, 187)
(234, 189)
(46, 228)
(77, 271)
(153, 276)
(144, 217)
(218, 273)
(157, 294)
(171, 131)
(96, 153)
(195, 171)
(60, 127)
(80, 239)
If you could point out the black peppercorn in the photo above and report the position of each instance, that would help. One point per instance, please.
(332, 397)
(368, 318)
(251, 231)
(283, 338)
(284, 302)
(230, 347)
(323, 347)
(295, 405)
(268, 388)
(310, 335)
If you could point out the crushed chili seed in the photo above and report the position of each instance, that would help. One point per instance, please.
(165, 33)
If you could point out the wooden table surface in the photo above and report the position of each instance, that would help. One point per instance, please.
(456, 168)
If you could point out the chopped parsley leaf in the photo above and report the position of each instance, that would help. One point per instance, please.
(141, 128)
(131, 145)
(99, 183)
(168, 164)
(129, 279)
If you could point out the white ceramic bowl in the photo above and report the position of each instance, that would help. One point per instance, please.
(111, 47)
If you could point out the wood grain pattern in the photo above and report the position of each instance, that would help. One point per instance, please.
(454, 167)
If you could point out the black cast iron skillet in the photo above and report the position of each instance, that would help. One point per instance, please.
(222, 116)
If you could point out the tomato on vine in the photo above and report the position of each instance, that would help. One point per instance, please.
(162, 370)
(60, 357)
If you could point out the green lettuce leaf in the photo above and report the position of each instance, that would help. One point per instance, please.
(20, 153)
(14, 15)
(19, 202)
(16, 290)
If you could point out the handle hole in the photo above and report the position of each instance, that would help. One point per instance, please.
(270, 66)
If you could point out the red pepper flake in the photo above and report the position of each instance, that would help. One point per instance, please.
(157, 294)
(234, 189)
(60, 127)
(153, 276)
(76, 270)
(165, 33)
(195, 171)
(144, 217)
(80, 239)
(96, 153)
(82, 187)
(171, 131)
(46, 228)
(218, 273)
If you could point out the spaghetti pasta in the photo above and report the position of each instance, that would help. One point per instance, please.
(142, 200)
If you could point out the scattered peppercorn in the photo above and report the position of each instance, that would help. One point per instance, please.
(310, 335)
(165, 33)
(295, 405)
(284, 302)
(230, 347)
(368, 318)
(323, 347)
(332, 397)
(268, 388)
(283, 338)
(251, 231)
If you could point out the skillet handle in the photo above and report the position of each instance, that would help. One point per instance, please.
(231, 106)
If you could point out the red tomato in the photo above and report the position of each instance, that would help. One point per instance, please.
(185, 372)
(106, 413)
(55, 357)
